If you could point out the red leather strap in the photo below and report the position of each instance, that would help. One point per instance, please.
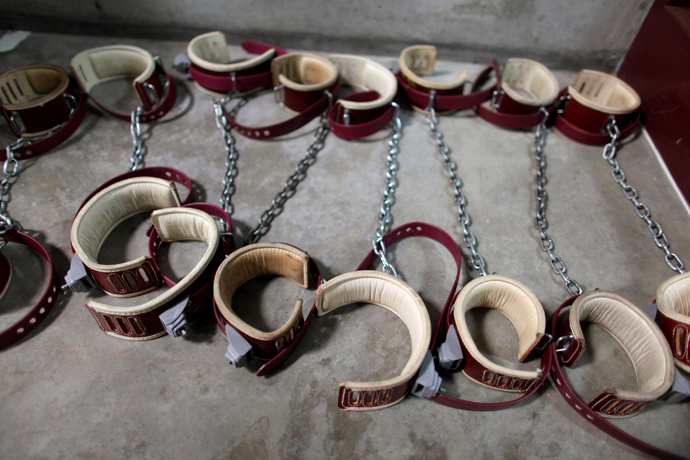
(5, 274)
(677, 334)
(148, 324)
(583, 408)
(450, 99)
(33, 149)
(244, 80)
(276, 352)
(160, 172)
(362, 123)
(38, 313)
(309, 105)
(346, 398)
(143, 278)
(208, 208)
(588, 126)
(349, 399)
(167, 95)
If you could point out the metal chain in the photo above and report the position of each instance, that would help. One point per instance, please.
(10, 170)
(232, 155)
(139, 139)
(540, 220)
(642, 211)
(468, 237)
(385, 216)
(293, 181)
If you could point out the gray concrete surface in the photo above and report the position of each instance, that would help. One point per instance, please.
(70, 391)
(559, 33)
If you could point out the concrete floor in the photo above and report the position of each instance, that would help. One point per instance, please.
(70, 391)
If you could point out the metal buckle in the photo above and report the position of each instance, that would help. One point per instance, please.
(70, 100)
(346, 117)
(181, 63)
(496, 99)
(18, 125)
(279, 93)
(563, 343)
(151, 93)
(545, 340)
(562, 103)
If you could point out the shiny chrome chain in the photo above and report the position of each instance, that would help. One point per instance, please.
(293, 181)
(468, 238)
(10, 170)
(231, 157)
(385, 216)
(540, 220)
(139, 139)
(642, 211)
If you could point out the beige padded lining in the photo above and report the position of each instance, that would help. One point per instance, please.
(98, 65)
(517, 302)
(210, 51)
(421, 60)
(365, 74)
(389, 292)
(603, 92)
(673, 297)
(30, 86)
(528, 82)
(303, 72)
(112, 205)
(636, 333)
(251, 262)
(175, 224)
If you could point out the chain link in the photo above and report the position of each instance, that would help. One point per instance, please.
(10, 170)
(293, 181)
(232, 155)
(540, 220)
(385, 216)
(642, 211)
(468, 238)
(139, 139)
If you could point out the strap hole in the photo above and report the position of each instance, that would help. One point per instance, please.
(20, 330)
(42, 310)
(50, 299)
(32, 320)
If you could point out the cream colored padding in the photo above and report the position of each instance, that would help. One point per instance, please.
(175, 224)
(603, 92)
(365, 75)
(303, 72)
(673, 297)
(251, 262)
(528, 82)
(421, 60)
(673, 300)
(112, 205)
(517, 302)
(389, 292)
(98, 65)
(636, 333)
(30, 86)
(210, 51)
